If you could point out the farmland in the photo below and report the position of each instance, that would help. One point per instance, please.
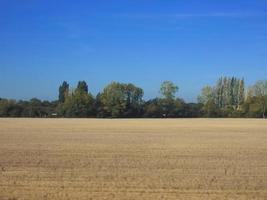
(133, 159)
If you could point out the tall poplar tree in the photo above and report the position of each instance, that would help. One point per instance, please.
(63, 92)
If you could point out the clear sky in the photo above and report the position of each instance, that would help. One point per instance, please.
(190, 42)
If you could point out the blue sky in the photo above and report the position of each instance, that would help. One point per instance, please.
(189, 42)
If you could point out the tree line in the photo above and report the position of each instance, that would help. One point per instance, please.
(227, 98)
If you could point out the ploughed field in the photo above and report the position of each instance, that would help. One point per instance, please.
(133, 159)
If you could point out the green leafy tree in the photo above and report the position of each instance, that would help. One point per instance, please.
(78, 104)
(228, 96)
(176, 108)
(153, 108)
(134, 100)
(121, 100)
(168, 89)
(206, 95)
(211, 109)
(241, 93)
(36, 108)
(260, 91)
(229, 93)
(251, 107)
(63, 91)
(82, 86)
(9, 108)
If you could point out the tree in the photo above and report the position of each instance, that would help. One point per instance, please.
(260, 91)
(36, 108)
(219, 93)
(206, 95)
(241, 93)
(78, 104)
(134, 100)
(251, 107)
(211, 109)
(192, 110)
(113, 100)
(226, 99)
(168, 89)
(229, 93)
(82, 86)
(100, 112)
(168, 103)
(153, 108)
(167, 108)
(9, 108)
(63, 91)
(121, 100)
(175, 108)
